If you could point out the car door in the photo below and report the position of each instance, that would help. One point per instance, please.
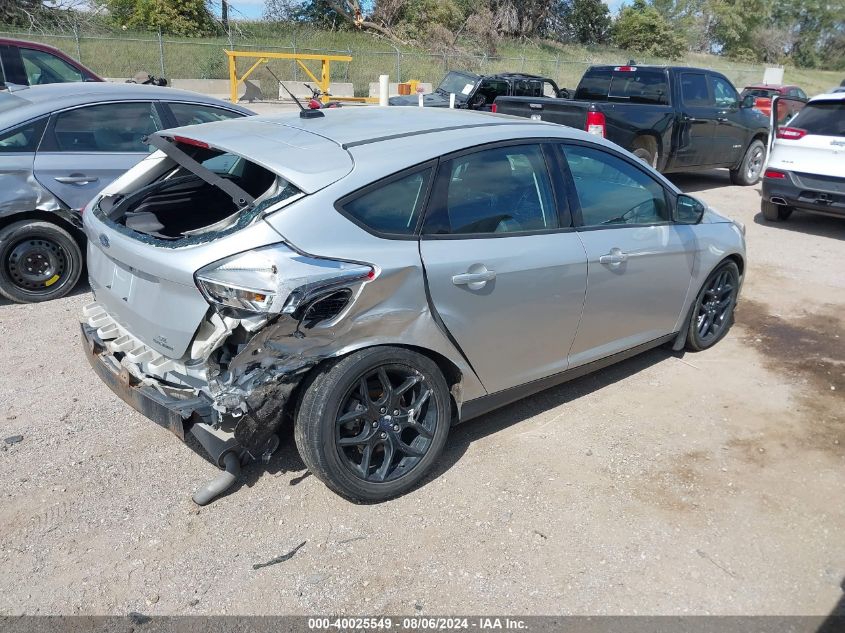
(86, 148)
(505, 271)
(697, 122)
(730, 131)
(639, 264)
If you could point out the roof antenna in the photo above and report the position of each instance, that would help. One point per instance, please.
(304, 113)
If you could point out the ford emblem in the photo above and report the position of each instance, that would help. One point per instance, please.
(104, 240)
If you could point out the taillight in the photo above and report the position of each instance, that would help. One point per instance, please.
(190, 141)
(595, 123)
(791, 133)
(275, 279)
(494, 109)
(775, 174)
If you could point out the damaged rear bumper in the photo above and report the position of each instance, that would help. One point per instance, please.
(173, 412)
(186, 410)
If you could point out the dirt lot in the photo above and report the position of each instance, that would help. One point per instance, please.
(708, 483)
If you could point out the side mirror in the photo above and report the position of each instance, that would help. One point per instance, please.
(564, 93)
(747, 101)
(688, 210)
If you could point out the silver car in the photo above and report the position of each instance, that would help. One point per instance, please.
(377, 275)
(59, 145)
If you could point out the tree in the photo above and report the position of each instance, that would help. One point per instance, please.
(641, 28)
(179, 17)
(582, 21)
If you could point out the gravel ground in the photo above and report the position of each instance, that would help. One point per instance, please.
(708, 483)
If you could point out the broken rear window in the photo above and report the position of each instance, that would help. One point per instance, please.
(182, 207)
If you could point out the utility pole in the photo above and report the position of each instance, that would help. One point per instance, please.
(224, 14)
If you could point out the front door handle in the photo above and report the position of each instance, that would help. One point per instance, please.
(614, 257)
(474, 280)
(76, 179)
(722, 118)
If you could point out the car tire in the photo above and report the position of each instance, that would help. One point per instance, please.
(750, 169)
(347, 422)
(712, 314)
(775, 212)
(39, 261)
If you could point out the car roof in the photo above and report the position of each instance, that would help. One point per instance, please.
(770, 87)
(315, 152)
(25, 104)
(5, 41)
(828, 96)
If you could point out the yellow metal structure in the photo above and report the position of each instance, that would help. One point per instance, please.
(264, 57)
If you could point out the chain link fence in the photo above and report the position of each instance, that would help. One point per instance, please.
(121, 55)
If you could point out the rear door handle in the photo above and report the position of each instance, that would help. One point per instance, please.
(76, 179)
(474, 280)
(614, 257)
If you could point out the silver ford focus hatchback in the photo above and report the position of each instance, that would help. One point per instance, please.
(377, 275)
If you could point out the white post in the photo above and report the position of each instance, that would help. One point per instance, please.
(420, 99)
(383, 89)
(452, 100)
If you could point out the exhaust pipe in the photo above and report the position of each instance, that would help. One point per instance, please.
(221, 483)
(225, 452)
(778, 200)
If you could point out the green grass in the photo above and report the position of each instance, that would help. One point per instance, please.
(122, 54)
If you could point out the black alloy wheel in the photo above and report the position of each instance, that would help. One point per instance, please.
(371, 424)
(385, 425)
(713, 311)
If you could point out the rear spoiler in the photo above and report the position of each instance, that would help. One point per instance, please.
(240, 197)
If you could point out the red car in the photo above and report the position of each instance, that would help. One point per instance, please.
(763, 94)
(30, 64)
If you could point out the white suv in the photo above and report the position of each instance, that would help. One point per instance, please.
(806, 168)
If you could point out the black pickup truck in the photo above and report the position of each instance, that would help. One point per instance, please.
(673, 118)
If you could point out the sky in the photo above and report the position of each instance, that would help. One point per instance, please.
(255, 8)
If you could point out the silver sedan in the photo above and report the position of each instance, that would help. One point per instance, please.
(377, 275)
(59, 145)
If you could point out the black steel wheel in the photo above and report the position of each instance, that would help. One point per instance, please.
(39, 261)
(371, 425)
(713, 311)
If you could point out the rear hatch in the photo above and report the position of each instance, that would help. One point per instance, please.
(813, 142)
(154, 227)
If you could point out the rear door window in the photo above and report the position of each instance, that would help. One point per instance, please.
(44, 68)
(694, 91)
(23, 138)
(825, 118)
(493, 191)
(393, 206)
(110, 127)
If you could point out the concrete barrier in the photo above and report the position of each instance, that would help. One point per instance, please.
(393, 88)
(300, 91)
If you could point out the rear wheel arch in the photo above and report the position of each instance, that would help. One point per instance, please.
(650, 142)
(46, 216)
(451, 372)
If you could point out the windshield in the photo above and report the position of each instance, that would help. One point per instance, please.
(459, 84)
(825, 118)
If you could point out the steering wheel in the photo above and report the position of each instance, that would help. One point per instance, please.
(634, 214)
